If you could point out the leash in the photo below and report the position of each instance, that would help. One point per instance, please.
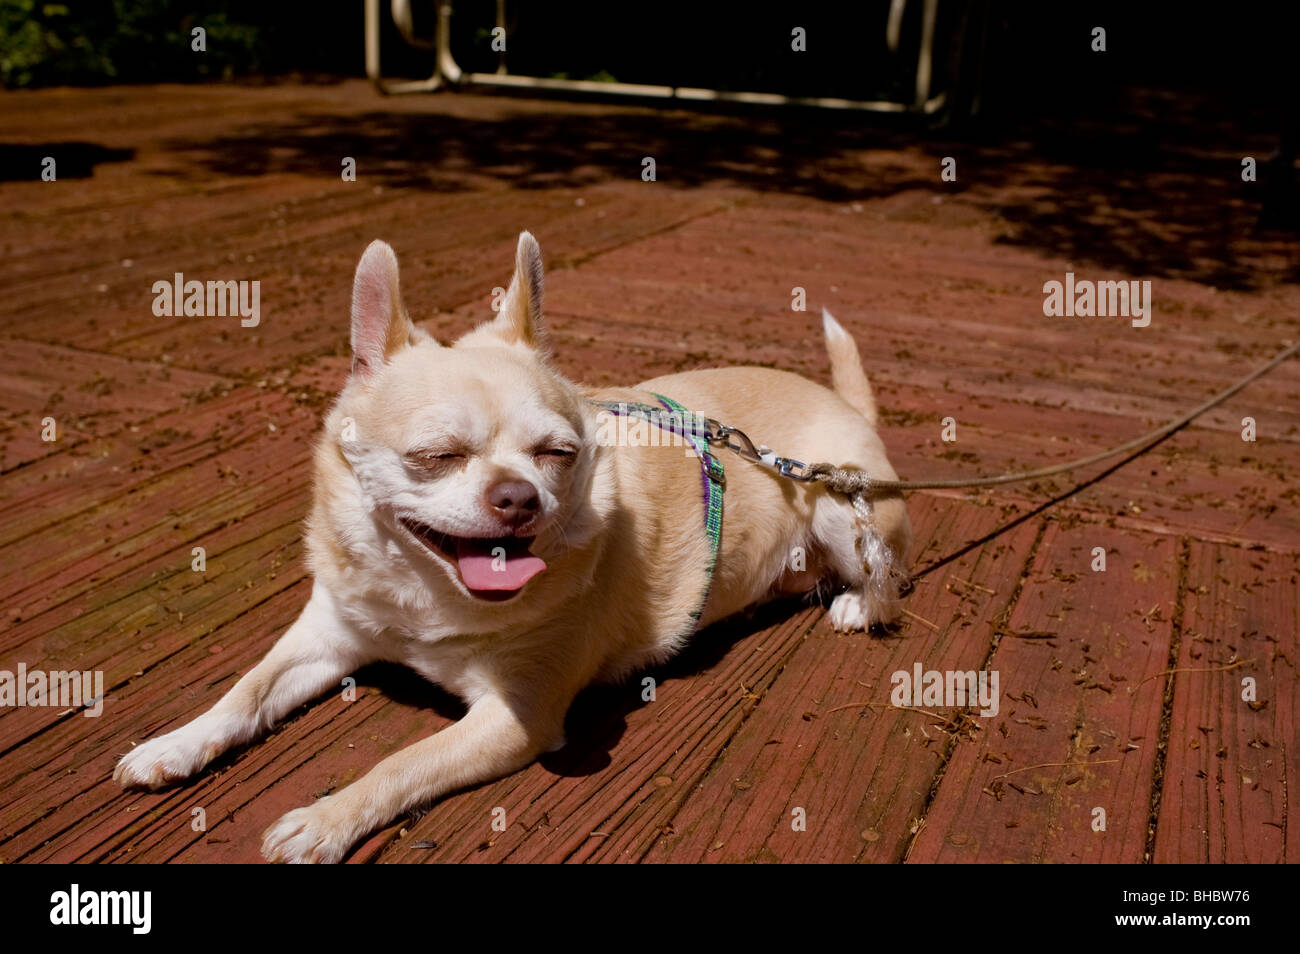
(703, 433)
(856, 482)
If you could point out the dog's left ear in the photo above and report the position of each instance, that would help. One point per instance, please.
(521, 309)
(520, 319)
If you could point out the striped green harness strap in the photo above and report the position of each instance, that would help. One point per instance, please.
(675, 419)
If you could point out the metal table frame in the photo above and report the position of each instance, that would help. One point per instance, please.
(447, 73)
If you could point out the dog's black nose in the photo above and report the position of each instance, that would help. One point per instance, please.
(513, 501)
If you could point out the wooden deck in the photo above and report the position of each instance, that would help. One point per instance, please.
(177, 433)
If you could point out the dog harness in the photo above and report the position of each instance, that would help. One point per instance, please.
(675, 419)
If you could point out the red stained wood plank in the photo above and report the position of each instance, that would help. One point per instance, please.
(1231, 766)
(78, 754)
(979, 329)
(87, 394)
(126, 598)
(1079, 721)
(130, 636)
(826, 740)
(72, 518)
(303, 256)
(622, 752)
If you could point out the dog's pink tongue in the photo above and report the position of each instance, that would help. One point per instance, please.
(508, 568)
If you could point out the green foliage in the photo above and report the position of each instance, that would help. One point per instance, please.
(124, 41)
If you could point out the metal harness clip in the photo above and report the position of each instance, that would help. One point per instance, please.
(718, 433)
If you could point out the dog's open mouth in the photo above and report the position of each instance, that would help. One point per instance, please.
(492, 568)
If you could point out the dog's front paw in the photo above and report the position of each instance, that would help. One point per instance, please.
(312, 835)
(166, 759)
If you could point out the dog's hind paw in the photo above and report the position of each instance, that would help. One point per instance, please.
(850, 612)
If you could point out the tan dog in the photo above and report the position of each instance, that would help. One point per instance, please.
(470, 522)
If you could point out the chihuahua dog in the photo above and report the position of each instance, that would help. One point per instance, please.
(469, 522)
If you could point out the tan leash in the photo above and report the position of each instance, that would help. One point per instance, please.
(858, 483)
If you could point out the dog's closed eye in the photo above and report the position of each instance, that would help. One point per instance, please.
(555, 454)
(436, 460)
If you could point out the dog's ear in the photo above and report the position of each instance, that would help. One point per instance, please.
(521, 309)
(380, 325)
(520, 318)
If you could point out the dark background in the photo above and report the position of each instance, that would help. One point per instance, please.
(1238, 52)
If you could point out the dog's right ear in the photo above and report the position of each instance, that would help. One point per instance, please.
(380, 325)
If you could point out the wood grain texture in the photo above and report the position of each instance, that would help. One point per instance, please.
(1233, 730)
(1063, 772)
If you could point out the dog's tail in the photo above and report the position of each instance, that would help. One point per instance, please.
(847, 376)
